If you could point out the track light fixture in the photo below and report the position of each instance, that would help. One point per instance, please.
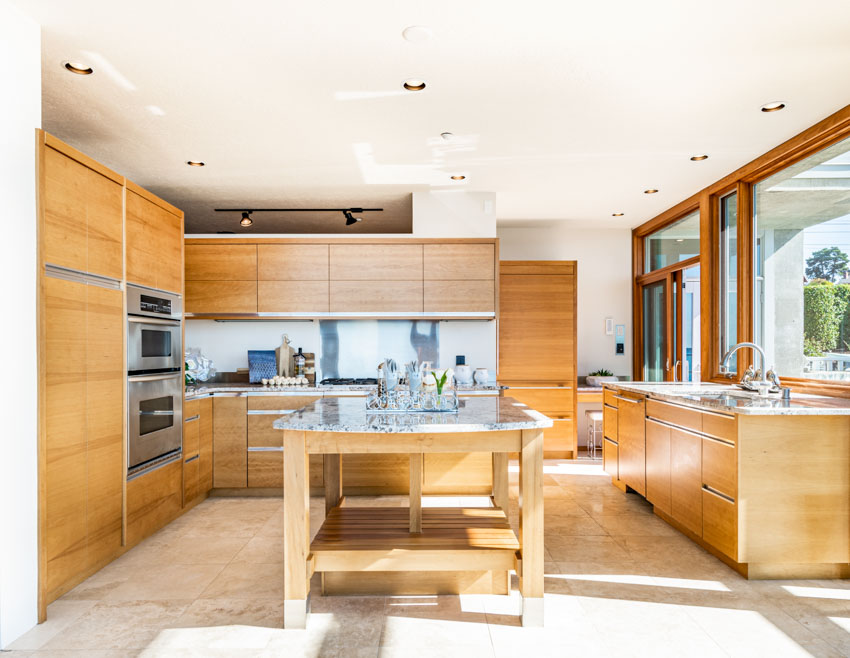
(348, 213)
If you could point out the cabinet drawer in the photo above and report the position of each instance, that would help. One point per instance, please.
(609, 421)
(191, 408)
(191, 436)
(280, 402)
(719, 467)
(720, 523)
(719, 425)
(610, 458)
(221, 262)
(153, 500)
(265, 468)
(553, 401)
(560, 436)
(191, 479)
(609, 397)
(221, 296)
(261, 433)
(670, 413)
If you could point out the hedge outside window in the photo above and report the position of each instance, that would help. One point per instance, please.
(802, 266)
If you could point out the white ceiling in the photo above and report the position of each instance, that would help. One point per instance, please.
(567, 110)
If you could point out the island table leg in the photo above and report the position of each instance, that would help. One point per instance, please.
(531, 526)
(333, 481)
(500, 481)
(296, 529)
(415, 495)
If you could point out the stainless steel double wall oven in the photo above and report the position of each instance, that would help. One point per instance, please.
(154, 377)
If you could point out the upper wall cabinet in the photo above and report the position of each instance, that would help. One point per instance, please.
(154, 241)
(282, 277)
(83, 210)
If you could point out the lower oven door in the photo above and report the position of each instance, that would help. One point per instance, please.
(155, 423)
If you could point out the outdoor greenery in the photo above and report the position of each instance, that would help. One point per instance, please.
(601, 373)
(829, 263)
(825, 317)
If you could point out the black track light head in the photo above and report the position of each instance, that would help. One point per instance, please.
(351, 219)
(246, 218)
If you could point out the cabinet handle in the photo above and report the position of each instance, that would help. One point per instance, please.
(191, 418)
(720, 495)
(543, 388)
(716, 413)
(658, 421)
(270, 412)
(265, 449)
(612, 441)
(633, 401)
(610, 406)
(191, 459)
(720, 441)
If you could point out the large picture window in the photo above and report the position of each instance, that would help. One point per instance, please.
(801, 266)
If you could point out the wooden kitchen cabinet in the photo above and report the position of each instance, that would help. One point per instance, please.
(82, 206)
(230, 442)
(457, 296)
(191, 427)
(154, 231)
(720, 523)
(293, 297)
(375, 262)
(459, 262)
(293, 262)
(213, 297)
(611, 458)
(556, 402)
(658, 469)
(154, 499)
(221, 262)
(191, 478)
(632, 441)
(205, 449)
(686, 479)
(376, 296)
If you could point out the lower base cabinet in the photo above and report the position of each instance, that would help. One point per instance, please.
(720, 523)
(610, 458)
(153, 500)
(265, 467)
(686, 479)
(658, 466)
(191, 483)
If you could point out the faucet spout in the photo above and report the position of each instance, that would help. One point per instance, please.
(724, 365)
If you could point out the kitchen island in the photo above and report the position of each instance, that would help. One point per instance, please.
(408, 547)
(763, 483)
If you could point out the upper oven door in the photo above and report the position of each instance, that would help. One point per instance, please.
(153, 344)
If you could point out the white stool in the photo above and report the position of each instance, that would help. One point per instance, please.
(594, 432)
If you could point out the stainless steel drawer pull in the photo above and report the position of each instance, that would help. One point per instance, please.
(724, 442)
(191, 459)
(610, 406)
(190, 418)
(156, 413)
(611, 441)
(270, 412)
(620, 397)
(716, 413)
(717, 493)
(540, 388)
(265, 449)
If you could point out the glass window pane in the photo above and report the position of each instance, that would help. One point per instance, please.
(691, 365)
(802, 258)
(729, 276)
(654, 329)
(673, 243)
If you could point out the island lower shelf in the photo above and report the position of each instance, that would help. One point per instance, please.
(460, 550)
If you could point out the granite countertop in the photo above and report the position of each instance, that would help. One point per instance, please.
(731, 399)
(224, 387)
(484, 414)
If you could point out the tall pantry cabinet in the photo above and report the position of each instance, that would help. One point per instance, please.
(81, 359)
(537, 344)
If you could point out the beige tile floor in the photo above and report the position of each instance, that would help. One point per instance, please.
(618, 582)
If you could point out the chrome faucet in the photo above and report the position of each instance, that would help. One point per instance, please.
(724, 365)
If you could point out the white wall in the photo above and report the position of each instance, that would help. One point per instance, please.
(604, 282)
(20, 115)
(436, 214)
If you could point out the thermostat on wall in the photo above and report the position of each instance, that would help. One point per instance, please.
(620, 340)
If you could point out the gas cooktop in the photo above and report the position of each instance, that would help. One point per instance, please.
(342, 381)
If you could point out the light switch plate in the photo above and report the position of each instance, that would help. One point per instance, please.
(609, 326)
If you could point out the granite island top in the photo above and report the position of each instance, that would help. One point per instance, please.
(205, 390)
(484, 414)
(731, 399)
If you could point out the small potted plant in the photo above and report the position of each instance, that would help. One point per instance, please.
(599, 377)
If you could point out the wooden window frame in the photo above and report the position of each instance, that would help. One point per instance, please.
(823, 134)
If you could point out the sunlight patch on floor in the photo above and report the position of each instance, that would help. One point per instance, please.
(652, 581)
(818, 592)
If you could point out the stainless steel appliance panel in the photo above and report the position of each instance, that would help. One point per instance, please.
(153, 303)
(153, 344)
(155, 425)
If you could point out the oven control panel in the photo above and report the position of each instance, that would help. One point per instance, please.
(155, 305)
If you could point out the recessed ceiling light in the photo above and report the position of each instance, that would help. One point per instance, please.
(447, 136)
(414, 84)
(458, 177)
(617, 214)
(79, 69)
(775, 106)
(417, 33)
(650, 191)
(246, 219)
(698, 158)
(195, 163)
